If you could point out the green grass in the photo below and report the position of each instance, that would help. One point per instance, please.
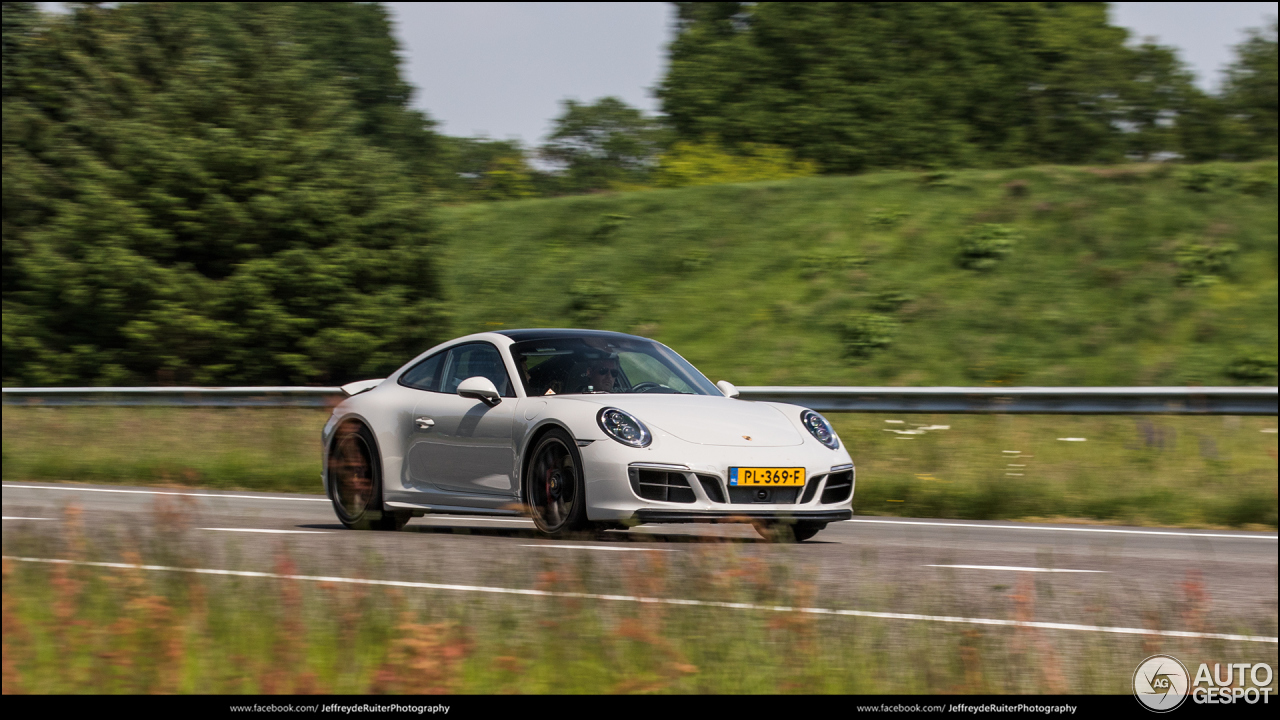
(248, 449)
(1115, 276)
(76, 629)
(1146, 470)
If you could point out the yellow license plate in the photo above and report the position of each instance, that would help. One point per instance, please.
(776, 477)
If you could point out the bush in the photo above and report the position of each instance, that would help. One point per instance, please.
(608, 224)
(865, 334)
(820, 261)
(708, 163)
(886, 218)
(1253, 368)
(890, 300)
(1260, 180)
(985, 246)
(1200, 265)
(1205, 178)
(591, 300)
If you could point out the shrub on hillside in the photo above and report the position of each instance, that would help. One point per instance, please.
(709, 163)
(608, 225)
(1259, 180)
(1207, 178)
(865, 334)
(815, 262)
(1254, 368)
(890, 300)
(1200, 265)
(886, 218)
(984, 246)
(590, 300)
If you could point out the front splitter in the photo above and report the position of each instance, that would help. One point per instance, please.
(692, 516)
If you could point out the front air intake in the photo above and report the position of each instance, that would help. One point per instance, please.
(839, 487)
(711, 486)
(661, 486)
(811, 488)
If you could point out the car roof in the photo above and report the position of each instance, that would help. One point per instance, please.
(557, 333)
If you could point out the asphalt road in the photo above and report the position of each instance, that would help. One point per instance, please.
(1089, 574)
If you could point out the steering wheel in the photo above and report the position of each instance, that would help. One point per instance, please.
(645, 387)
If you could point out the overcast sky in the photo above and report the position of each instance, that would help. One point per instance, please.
(502, 69)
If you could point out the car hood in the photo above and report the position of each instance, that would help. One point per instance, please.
(706, 419)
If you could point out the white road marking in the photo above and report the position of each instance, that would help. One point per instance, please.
(1017, 569)
(1074, 439)
(662, 601)
(598, 547)
(15, 517)
(164, 492)
(1047, 528)
(275, 532)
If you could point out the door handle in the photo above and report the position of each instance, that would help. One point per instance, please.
(424, 423)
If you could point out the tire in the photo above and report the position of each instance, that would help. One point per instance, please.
(781, 532)
(355, 480)
(805, 530)
(554, 489)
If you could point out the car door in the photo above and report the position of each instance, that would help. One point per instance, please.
(462, 445)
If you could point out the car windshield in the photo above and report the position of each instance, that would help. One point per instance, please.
(601, 364)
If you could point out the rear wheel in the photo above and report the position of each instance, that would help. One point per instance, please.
(554, 487)
(355, 487)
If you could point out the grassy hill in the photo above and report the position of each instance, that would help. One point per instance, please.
(1142, 274)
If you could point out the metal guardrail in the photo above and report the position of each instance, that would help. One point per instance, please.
(1024, 400)
(1028, 400)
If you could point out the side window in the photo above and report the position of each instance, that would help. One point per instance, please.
(476, 359)
(425, 375)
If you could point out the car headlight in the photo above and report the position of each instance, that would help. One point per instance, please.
(820, 429)
(623, 427)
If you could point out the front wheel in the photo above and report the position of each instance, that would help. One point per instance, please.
(554, 487)
(777, 531)
(354, 486)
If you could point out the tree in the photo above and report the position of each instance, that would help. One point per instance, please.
(188, 197)
(1160, 94)
(352, 43)
(603, 143)
(853, 86)
(483, 169)
(1249, 95)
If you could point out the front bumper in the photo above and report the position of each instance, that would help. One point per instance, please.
(617, 492)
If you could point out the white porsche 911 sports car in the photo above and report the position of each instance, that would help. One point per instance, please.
(578, 429)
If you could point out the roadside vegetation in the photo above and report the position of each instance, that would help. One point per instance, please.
(1142, 470)
(75, 629)
(1130, 275)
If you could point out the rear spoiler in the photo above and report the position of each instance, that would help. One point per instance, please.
(360, 386)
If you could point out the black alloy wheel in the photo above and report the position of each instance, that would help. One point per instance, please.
(554, 488)
(354, 486)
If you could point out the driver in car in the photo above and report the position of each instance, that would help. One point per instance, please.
(603, 375)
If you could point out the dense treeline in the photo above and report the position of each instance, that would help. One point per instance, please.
(241, 193)
(845, 87)
(201, 193)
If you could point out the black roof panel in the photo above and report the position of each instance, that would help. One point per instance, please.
(555, 333)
